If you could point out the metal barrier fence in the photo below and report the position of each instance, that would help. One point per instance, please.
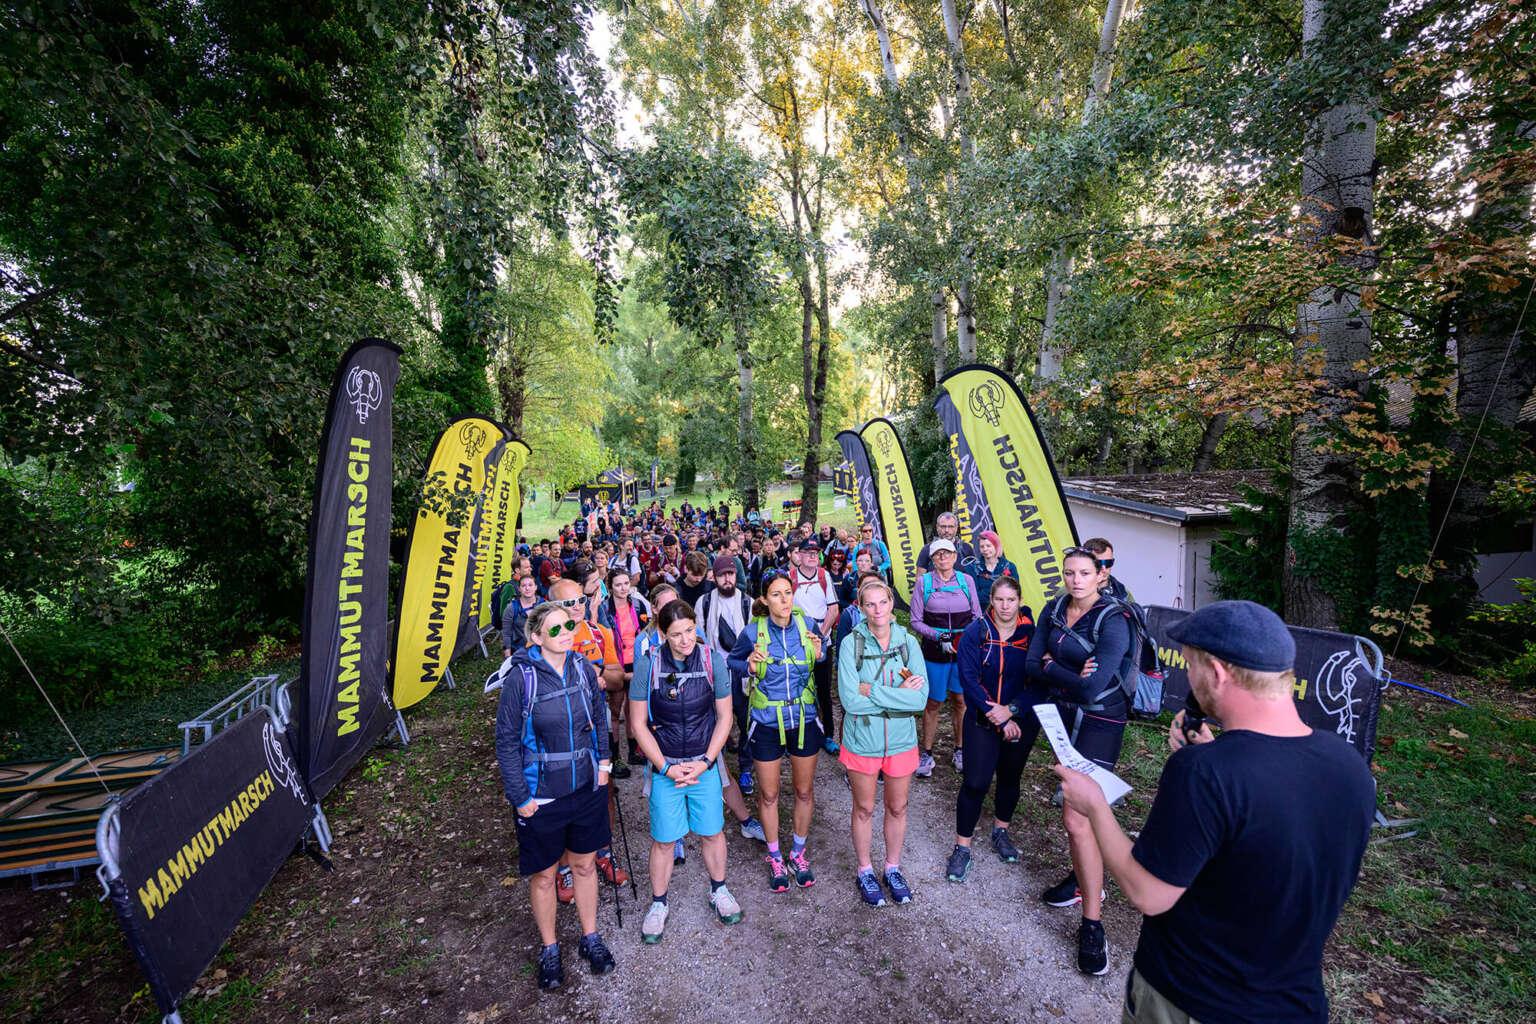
(259, 692)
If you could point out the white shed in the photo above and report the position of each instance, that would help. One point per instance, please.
(1162, 527)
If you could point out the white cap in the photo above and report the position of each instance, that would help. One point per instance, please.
(941, 545)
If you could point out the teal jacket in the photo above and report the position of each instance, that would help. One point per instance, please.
(885, 722)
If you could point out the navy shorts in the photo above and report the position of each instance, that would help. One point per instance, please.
(578, 823)
(763, 740)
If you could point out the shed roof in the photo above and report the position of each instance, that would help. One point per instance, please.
(1203, 497)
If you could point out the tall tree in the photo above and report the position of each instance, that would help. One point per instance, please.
(1338, 181)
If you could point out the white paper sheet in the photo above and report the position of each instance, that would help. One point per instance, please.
(1055, 730)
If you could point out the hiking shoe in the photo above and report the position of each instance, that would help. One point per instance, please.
(565, 889)
(621, 769)
(900, 891)
(959, 866)
(778, 877)
(753, 829)
(869, 888)
(679, 853)
(804, 877)
(924, 765)
(1006, 851)
(596, 954)
(726, 907)
(958, 759)
(831, 746)
(1065, 893)
(745, 782)
(551, 970)
(655, 923)
(611, 872)
(1092, 948)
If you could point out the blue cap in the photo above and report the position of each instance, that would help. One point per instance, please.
(1240, 633)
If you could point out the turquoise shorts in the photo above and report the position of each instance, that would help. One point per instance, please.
(943, 679)
(698, 808)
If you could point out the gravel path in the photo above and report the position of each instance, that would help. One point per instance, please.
(985, 950)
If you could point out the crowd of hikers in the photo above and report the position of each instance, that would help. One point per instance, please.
(670, 640)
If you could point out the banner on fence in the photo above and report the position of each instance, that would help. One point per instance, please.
(1337, 688)
(437, 558)
(901, 526)
(864, 499)
(185, 854)
(343, 702)
(1017, 480)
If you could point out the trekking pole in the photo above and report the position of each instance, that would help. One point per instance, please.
(629, 862)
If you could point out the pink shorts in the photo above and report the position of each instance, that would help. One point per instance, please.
(895, 766)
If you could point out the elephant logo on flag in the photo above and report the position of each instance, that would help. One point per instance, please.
(365, 391)
(986, 401)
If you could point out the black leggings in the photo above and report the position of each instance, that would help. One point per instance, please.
(823, 676)
(988, 754)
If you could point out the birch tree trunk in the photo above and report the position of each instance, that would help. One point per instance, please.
(1058, 272)
(746, 474)
(965, 312)
(1338, 183)
(939, 337)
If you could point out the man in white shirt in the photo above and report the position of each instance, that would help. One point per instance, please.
(816, 598)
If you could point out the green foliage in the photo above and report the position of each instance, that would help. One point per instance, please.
(1246, 558)
(1513, 626)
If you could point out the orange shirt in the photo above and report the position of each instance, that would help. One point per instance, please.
(595, 643)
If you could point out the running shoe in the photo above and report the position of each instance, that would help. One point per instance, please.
(1092, 948)
(831, 746)
(611, 872)
(745, 782)
(900, 892)
(551, 970)
(655, 923)
(804, 877)
(753, 829)
(924, 765)
(679, 853)
(595, 952)
(869, 888)
(959, 866)
(565, 889)
(958, 759)
(1003, 845)
(778, 876)
(726, 907)
(1065, 893)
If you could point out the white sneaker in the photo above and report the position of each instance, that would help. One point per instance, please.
(959, 759)
(753, 829)
(654, 924)
(924, 765)
(725, 905)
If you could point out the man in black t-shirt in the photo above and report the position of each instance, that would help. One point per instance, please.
(1252, 845)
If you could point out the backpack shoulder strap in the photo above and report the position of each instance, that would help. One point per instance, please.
(858, 651)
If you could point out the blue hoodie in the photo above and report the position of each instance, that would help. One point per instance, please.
(553, 751)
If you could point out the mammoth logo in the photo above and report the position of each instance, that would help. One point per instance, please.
(868, 505)
(365, 391)
(986, 401)
(284, 773)
(1335, 689)
(472, 436)
(885, 440)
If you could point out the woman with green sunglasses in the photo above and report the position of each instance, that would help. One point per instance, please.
(552, 748)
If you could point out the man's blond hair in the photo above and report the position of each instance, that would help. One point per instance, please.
(1260, 684)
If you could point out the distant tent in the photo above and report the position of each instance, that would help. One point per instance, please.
(842, 479)
(612, 485)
